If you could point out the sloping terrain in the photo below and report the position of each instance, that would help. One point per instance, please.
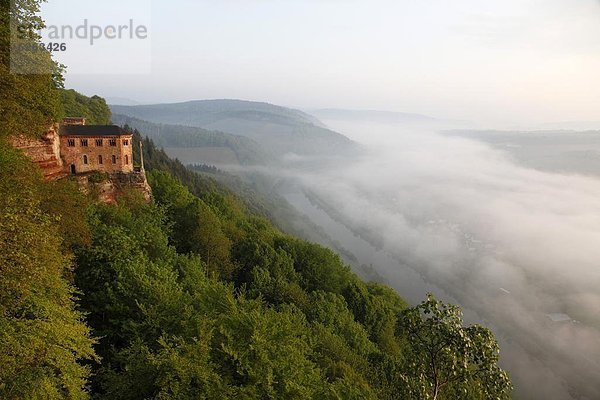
(278, 130)
(201, 145)
(372, 116)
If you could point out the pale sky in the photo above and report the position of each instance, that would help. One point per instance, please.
(528, 61)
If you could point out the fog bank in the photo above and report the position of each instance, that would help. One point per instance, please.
(516, 245)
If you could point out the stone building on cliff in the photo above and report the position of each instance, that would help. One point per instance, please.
(102, 148)
(74, 148)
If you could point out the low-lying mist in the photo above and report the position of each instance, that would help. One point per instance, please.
(518, 248)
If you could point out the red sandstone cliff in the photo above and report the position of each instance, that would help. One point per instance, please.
(108, 187)
(45, 152)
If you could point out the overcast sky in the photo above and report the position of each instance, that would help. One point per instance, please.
(492, 61)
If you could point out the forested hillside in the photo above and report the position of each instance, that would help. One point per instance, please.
(192, 296)
(206, 112)
(257, 195)
(246, 150)
(94, 109)
(278, 130)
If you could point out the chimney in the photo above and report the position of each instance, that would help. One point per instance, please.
(74, 121)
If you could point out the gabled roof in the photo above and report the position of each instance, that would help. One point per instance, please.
(92, 130)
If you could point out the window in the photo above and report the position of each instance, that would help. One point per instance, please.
(84, 143)
(114, 159)
(126, 160)
(85, 159)
(125, 142)
(71, 142)
(100, 160)
(112, 142)
(98, 142)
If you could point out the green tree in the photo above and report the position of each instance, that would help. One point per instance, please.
(177, 369)
(94, 109)
(62, 200)
(29, 103)
(196, 227)
(319, 267)
(266, 353)
(198, 230)
(376, 309)
(42, 337)
(447, 360)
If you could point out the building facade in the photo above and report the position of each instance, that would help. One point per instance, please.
(87, 148)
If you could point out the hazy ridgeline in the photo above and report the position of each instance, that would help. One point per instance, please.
(511, 243)
(276, 129)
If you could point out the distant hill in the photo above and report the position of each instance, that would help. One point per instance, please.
(570, 125)
(124, 101)
(372, 116)
(556, 151)
(196, 145)
(278, 130)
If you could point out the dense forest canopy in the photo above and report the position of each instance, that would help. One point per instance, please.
(246, 150)
(192, 295)
(94, 109)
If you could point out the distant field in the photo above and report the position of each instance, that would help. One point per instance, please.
(567, 152)
(204, 155)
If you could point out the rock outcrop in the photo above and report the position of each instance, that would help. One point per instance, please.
(107, 188)
(44, 151)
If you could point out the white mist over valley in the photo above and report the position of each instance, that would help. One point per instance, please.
(517, 247)
(503, 223)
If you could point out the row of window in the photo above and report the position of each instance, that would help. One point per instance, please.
(101, 160)
(99, 142)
